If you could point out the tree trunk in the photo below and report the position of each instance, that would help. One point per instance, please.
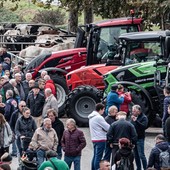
(73, 20)
(88, 13)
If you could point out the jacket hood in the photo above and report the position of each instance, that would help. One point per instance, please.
(93, 114)
(50, 81)
(163, 146)
(125, 152)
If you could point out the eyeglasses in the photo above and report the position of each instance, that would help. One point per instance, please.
(23, 106)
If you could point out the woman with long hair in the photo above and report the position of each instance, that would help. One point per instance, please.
(5, 135)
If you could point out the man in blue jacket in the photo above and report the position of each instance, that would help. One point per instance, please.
(113, 99)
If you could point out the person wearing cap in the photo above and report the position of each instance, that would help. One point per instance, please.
(161, 144)
(113, 98)
(53, 162)
(140, 122)
(98, 129)
(6, 158)
(120, 129)
(125, 151)
(35, 101)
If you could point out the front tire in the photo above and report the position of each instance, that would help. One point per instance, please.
(81, 102)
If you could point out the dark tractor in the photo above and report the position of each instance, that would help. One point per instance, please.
(146, 72)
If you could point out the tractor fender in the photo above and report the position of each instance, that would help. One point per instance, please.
(53, 69)
(139, 87)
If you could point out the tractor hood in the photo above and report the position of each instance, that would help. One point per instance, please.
(138, 68)
(101, 68)
(59, 55)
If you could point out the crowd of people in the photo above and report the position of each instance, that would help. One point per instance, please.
(29, 122)
(118, 137)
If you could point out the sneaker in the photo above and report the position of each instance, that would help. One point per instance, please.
(13, 154)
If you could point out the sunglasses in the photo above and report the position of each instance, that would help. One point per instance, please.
(23, 106)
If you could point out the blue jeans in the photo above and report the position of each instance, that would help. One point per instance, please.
(73, 159)
(99, 148)
(14, 148)
(40, 156)
(140, 155)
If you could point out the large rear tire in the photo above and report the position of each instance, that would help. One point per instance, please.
(81, 102)
(62, 91)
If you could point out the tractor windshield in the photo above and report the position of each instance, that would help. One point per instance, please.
(141, 52)
(109, 36)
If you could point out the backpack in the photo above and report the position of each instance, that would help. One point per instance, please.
(124, 164)
(164, 158)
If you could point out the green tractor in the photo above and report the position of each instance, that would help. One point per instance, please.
(145, 72)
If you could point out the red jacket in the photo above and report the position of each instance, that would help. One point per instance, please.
(50, 84)
(127, 99)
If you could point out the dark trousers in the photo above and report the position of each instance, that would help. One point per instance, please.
(114, 150)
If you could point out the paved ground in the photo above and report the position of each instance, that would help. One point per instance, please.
(88, 151)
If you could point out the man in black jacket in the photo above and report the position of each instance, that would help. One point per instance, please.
(58, 126)
(120, 129)
(35, 102)
(140, 122)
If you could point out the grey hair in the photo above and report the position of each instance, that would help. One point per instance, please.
(47, 77)
(137, 107)
(17, 74)
(72, 121)
(12, 81)
(48, 90)
(10, 93)
(6, 77)
(46, 120)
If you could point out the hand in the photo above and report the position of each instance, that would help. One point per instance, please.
(134, 118)
(2, 105)
(111, 145)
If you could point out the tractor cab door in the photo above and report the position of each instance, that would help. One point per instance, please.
(81, 40)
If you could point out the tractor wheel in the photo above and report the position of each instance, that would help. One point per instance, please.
(62, 91)
(81, 102)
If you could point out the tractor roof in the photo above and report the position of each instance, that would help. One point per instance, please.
(150, 35)
(119, 21)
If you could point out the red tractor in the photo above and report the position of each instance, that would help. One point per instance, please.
(92, 42)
